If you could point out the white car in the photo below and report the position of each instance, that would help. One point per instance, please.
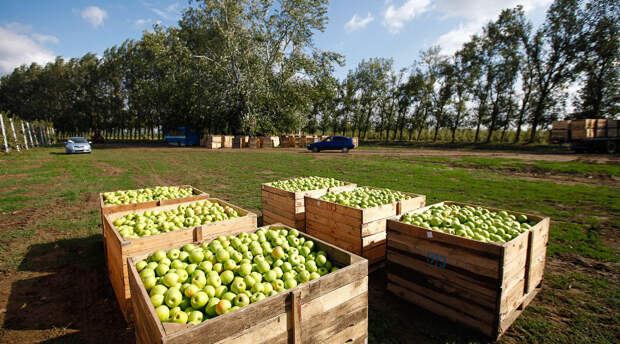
(77, 145)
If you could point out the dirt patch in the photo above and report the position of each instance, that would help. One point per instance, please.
(107, 169)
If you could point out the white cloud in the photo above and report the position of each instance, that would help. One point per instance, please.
(395, 18)
(141, 22)
(357, 23)
(475, 13)
(44, 38)
(94, 15)
(17, 47)
(171, 12)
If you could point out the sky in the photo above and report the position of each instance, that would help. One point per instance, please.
(38, 31)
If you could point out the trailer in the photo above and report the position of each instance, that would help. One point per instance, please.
(588, 134)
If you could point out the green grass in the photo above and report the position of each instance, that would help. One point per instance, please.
(62, 191)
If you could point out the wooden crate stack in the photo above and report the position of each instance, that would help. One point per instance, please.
(284, 141)
(271, 142)
(240, 141)
(331, 309)
(214, 142)
(361, 231)
(227, 141)
(287, 207)
(255, 142)
(593, 128)
(560, 131)
(118, 249)
(484, 285)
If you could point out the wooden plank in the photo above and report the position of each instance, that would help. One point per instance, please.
(407, 205)
(462, 258)
(458, 303)
(453, 286)
(296, 318)
(352, 244)
(438, 308)
(374, 254)
(458, 278)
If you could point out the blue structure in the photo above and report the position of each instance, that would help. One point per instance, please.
(182, 136)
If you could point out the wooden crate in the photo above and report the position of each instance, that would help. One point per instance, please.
(255, 142)
(484, 285)
(107, 209)
(240, 141)
(561, 125)
(271, 142)
(331, 309)
(361, 231)
(287, 207)
(118, 248)
(227, 141)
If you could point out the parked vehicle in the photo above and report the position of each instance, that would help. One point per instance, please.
(76, 145)
(182, 136)
(333, 143)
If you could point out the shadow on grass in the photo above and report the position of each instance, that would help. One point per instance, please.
(74, 301)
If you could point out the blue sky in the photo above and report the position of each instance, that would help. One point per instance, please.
(37, 31)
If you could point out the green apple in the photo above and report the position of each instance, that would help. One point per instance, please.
(180, 317)
(183, 275)
(174, 253)
(205, 266)
(278, 285)
(149, 282)
(258, 288)
(290, 283)
(196, 256)
(191, 290)
(147, 272)
(249, 281)
(191, 268)
(163, 313)
(268, 288)
(311, 266)
(303, 276)
(157, 300)
(199, 300)
(257, 297)
(158, 255)
(210, 307)
(229, 265)
(171, 279)
(222, 255)
(173, 298)
(218, 267)
(277, 252)
(241, 300)
(320, 260)
(199, 279)
(238, 286)
(183, 256)
(314, 275)
(270, 276)
(195, 317)
(210, 290)
(244, 269)
(220, 290)
(152, 265)
(263, 267)
(227, 277)
(141, 265)
(158, 289)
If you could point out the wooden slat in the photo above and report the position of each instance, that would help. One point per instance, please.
(439, 308)
(296, 318)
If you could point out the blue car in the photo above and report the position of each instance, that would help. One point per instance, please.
(332, 143)
(77, 145)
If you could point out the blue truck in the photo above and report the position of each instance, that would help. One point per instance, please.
(341, 143)
(182, 136)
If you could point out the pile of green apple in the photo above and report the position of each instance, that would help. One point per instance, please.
(470, 222)
(154, 222)
(196, 283)
(364, 197)
(307, 183)
(146, 195)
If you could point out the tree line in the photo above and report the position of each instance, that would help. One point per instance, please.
(251, 66)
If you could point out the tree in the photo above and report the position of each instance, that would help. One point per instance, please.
(553, 52)
(600, 66)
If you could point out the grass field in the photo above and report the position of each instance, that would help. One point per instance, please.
(53, 284)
